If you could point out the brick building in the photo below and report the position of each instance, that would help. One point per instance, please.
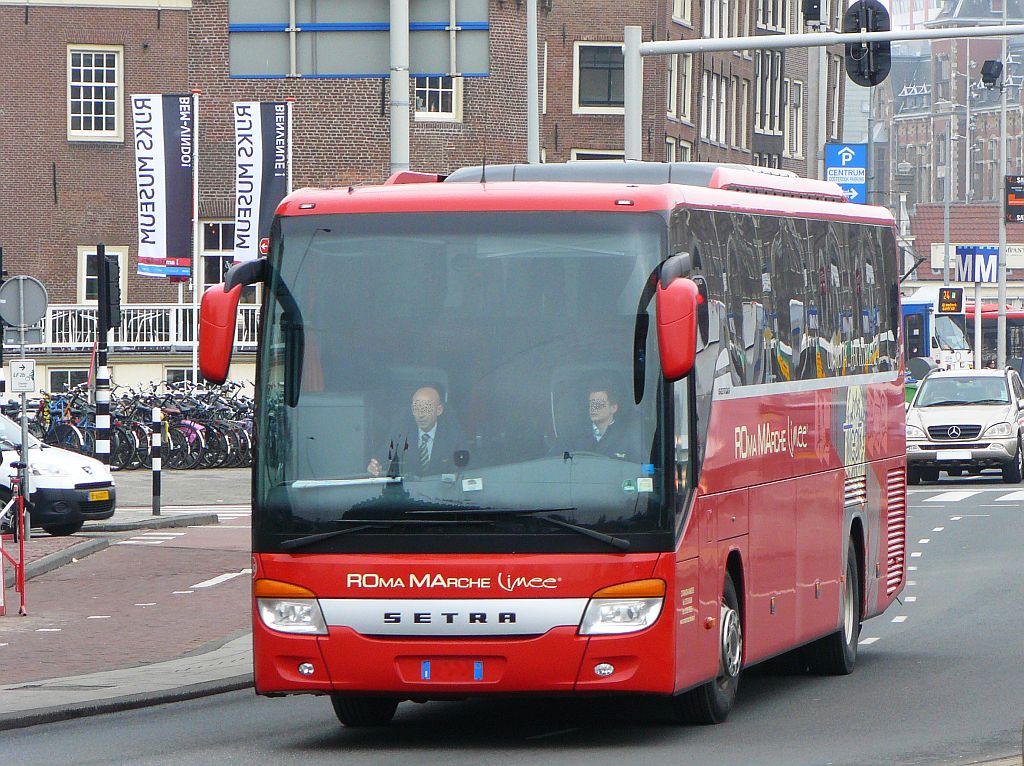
(67, 180)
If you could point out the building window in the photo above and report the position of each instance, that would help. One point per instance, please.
(63, 380)
(598, 84)
(734, 107)
(439, 99)
(95, 76)
(217, 255)
(672, 102)
(685, 86)
(88, 272)
(684, 151)
(794, 142)
(682, 10)
(180, 374)
(670, 149)
(596, 154)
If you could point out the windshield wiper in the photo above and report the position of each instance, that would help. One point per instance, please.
(364, 524)
(945, 404)
(988, 401)
(540, 513)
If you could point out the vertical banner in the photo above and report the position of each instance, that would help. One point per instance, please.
(261, 173)
(163, 136)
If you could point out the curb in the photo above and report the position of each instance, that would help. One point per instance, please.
(127, 702)
(155, 522)
(56, 560)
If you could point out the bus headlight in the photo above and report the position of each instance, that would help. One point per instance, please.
(624, 608)
(289, 608)
(913, 432)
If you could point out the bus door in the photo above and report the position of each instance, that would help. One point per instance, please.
(915, 337)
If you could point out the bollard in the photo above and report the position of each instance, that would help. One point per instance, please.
(157, 436)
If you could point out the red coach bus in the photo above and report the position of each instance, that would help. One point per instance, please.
(732, 334)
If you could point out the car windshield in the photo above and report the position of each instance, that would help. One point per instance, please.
(440, 369)
(939, 392)
(10, 432)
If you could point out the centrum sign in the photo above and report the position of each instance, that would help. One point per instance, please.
(846, 165)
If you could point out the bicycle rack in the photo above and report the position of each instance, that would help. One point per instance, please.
(17, 502)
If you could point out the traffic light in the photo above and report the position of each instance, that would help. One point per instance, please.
(867, 64)
(111, 272)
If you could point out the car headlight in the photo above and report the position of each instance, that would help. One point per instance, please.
(913, 432)
(624, 608)
(999, 429)
(47, 470)
(289, 608)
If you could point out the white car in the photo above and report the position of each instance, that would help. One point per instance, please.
(66, 489)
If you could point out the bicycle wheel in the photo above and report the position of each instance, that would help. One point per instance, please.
(68, 437)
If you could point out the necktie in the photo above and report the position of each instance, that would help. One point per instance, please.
(424, 450)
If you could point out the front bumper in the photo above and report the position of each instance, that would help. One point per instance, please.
(983, 453)
(70, 506)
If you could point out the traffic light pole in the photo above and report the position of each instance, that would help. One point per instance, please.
(102, 373)
(634, 50)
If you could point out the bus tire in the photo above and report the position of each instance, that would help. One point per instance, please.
(364, 711)
(913, 475)
(1012, 473)
(835, 655)
(711, 702)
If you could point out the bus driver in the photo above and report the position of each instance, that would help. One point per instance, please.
(426, 445)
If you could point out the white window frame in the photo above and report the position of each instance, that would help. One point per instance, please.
(684, 151)
(682, 12)
(576, 107)
(744, 109)
(796, 107)
(67, 371)
(598, 154)
(110, 136)
(686, 87)
(670, 149)
(455, 115)
(723, 106)
(734, 137)
(672, 101)
(83, 252)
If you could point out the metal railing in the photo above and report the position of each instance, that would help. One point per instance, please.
(144, 327)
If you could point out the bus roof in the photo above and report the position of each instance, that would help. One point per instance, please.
(594, 186)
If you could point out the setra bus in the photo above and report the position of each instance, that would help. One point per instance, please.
(742, 330)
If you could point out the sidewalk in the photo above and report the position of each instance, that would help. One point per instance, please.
(134, 669)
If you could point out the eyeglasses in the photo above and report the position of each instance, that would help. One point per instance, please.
(596, 404)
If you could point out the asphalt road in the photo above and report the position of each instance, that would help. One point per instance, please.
(939, 681)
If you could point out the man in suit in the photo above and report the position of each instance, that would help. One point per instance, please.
(426, 446)
(606, 436)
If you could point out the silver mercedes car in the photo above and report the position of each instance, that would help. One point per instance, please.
(966, 421)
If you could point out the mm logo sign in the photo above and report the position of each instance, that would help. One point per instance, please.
(977, 263)
(951, 300)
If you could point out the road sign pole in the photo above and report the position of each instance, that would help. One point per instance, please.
(102, 441)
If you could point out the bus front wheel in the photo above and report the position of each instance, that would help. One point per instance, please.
(364, 711)
(711, 702)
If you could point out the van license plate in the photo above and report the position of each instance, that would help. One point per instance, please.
(99, 494)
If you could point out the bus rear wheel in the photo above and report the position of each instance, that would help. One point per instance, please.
(711, 702)
(835, 655)
(364, 711)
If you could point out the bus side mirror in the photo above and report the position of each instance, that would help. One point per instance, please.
(217, 314)
(677, 304)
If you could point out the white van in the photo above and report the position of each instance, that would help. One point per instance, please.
(66, 489)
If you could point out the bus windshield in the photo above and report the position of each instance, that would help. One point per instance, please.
(950, 334)
(439, 381)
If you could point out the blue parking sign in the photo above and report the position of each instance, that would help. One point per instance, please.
(847, 165)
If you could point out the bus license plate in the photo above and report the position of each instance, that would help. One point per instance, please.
(953, 454)
(99, 494)
(452, 669)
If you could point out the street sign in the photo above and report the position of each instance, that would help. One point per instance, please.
(23, 375)
(1014, 207)
(23, 301)
(951, 300)
(977, 263)
(846, 165)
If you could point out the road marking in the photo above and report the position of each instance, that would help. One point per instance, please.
(221, 578)
(938, 529)
(951, 497)
(98, 617)
(149, 603)
(181, 592)
(164, 534)
(910, 598)
(911, 582)
(866, 641)
(139, 542)
(955, 518)
(916, 555)
(225, 526)
(48, 630)
(1013, 496)
(911, 569)
(924, 541)
(901, 618)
